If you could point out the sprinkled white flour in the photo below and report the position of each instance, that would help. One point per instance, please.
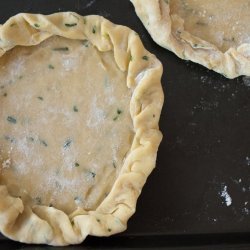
(248, 161)
(97, 115)
(245, 211)
(90, 3)
(6, 163)
(69, 63)
(246, 80)
(224, 194)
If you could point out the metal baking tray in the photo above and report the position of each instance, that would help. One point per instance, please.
(198, 197)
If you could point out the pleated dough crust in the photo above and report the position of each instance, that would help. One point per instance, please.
(168, 31)
(47, 225)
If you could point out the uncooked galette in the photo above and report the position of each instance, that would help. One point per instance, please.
(213, 33)
(80, 100)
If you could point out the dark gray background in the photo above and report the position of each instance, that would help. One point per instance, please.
(206, 145)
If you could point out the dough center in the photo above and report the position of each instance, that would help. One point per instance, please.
(64, 121)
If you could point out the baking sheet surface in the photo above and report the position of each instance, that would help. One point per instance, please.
(201, 184)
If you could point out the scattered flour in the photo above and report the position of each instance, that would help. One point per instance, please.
(69, 63)
(246, 81)
(6, 163)
(248, 161)
(97, 115)
(140, 76)
(245, 210)
(69, 156)
(224, 194)
(90, 3)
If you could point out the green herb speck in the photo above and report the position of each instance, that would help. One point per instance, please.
(75, 108)
(77, 198)
(70, 24)
(131, 58)
(36, 25)
(8, 138)
(84, 20)
(201, 23)
(98, 220)
(11, 119)
(145, 58)
(109, 229)
(50, 66)
(92, 174)
(40, 98)
(94, 30)
(13, 24)
(77, 164)
(20, 77)
(30, 138)
(38, 200)
(106, 35)
(229, 40)
(118, 111)
(85, 42)
(44, 143)
(67, 143)
(5, 94)
(114, 164)
(61, 49)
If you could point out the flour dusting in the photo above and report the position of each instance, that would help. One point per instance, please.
(96, 115)
(69, 63)
(246, 81)
(245, 211)
(6, 163)
(248, 161)
(90, 3)
(227, 198)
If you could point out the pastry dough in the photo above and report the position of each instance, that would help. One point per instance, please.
(80, 104)
(213, 33)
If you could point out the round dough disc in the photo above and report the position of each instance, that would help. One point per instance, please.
(80, 103)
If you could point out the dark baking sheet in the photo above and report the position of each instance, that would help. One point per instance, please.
(198, 197)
